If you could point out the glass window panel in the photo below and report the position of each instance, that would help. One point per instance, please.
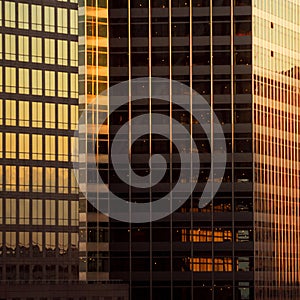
(37, 82)
(74, 86)
(37, 114)
(10, 14)
(73, 54)
(11, 211)
(37, 179)
(73, 22)
(49, 19)
(62, 52)
(63, 212)
(63, 242)
(37, 146)
(50, 180)
(50, 115)
(10, 177)
(62, 84)
(49, 147)
(24, 146)
(23, 113)
(10, 77)
(36, 17)
(23, 48)
(24, 179)
(50, 212)
(49, 51)
(10, 112)
(10, 47)
(1, 111)
(63, 148)
(37, 242)
(63, 116)
(24, 81)
(50, 241)
(74, 117)
(62, 20)
(36, 50)
(37, 212)
(49, 83)
(63, 180)
(1, 219)
(1, 145)
(23, 16)
(10, 145)
(74, 213)
(24, 211)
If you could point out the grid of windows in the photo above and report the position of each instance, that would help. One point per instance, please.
(38, 114)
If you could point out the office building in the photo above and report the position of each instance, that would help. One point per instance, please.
(243, 57)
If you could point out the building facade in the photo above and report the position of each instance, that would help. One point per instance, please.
(39, 104)
(242, 56)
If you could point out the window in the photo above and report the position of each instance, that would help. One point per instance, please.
(37, 82)
(74, 116)
(23, 81)
(50, 147)
(37, 114)
(74, 22)
(63, 149)
(62, 20)
(10, 175)
(49, 83)
(24, 179)
(36, 50)
(11, 211)
(50, 242)
(74, 213)
(23, 16)
(37, 212)
(10, 47)
(36, 17)
(10, 145)
(49, 19)
(23, 113)
(10, 112)
(50, 180)
(63, 116)
(37, 179)
(74, 85)
(37, 146)
(10, 80)
(50, 212)
(63, 178)
(73, 54)
(23, 48)
(62, 84)
(10, 14)
(49, 51)
(24, 146)
(50, 115)
(63, 213)
(24, 214)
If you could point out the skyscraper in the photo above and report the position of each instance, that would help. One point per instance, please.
(39, 103)
(242, 56)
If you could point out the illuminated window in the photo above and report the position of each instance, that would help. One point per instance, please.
(10, 177)
(50, 243)
(50, 115)
(37, 146)
(23, 48)
(37, 114)
(63, 213)
(62, 84)
(37, 212)
(10, 112)
(49, 19)
(73, 22)
(0, 39)
(63, 120)
(62, 20)
(23, 16)
(23, 113)
(24, 179)
(11, 211)
(74, 149)
(1, 176)
(37, 179)
(50, 212)
(50, 147)
(74, 116)
(37, 82)
(73, 54)
(23, 81)
(74, 213)
(10, 47)
(10, 14)
(24, 212)
(37, 241)
(36, 49)
(10, 77)
(49, 51)
(24, 146)
(74, 85)
(36, 17)
(63, 180)
(74, 184)
(10, 145)
(50, 180)
(63, 149)
(49, 83)
(63, 244)
(62, 52)
(1, 145)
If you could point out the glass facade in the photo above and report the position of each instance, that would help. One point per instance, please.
(38, 113)
(276, 74)
(195, 253)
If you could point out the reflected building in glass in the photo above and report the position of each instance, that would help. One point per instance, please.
(38, 113)
(242, 56)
